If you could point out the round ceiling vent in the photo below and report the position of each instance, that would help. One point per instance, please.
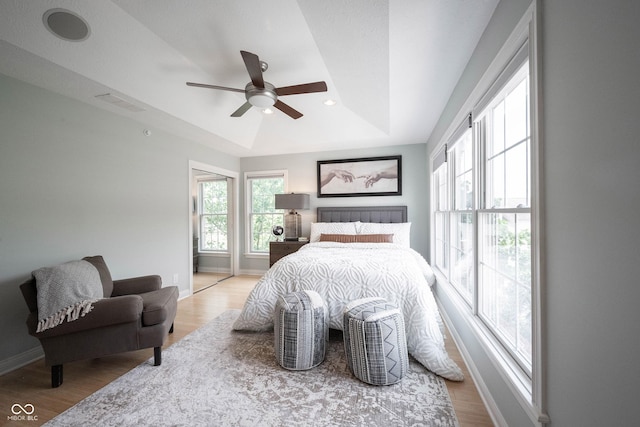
(66, 25)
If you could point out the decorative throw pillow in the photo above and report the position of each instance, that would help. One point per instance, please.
(401, 231)
(340, 238)
(318, 228)
(357, 238)
(374, 238)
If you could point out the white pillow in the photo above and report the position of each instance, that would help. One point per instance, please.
(318, 228)
(401, 231)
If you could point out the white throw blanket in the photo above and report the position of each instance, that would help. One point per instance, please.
(343, 272)
(66, 291)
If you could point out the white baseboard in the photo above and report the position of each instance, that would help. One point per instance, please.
(20, 360)
(183, 294)
(213, 270)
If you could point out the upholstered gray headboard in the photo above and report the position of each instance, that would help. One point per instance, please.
(381, 214)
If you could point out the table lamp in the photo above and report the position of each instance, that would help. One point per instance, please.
(292, 220)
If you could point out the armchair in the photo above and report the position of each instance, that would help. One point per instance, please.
(134, 314)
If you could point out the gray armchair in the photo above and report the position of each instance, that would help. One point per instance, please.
(135, 313)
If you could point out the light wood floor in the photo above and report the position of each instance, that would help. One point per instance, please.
(31, 384)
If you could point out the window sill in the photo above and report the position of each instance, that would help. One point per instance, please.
(257, 255)
(214, 254)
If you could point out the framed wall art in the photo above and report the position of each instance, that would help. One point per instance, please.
(372, 176)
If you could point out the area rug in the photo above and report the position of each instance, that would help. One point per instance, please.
(219, 377)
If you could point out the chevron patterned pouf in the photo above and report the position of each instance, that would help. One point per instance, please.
(374, 341)
(301, 330)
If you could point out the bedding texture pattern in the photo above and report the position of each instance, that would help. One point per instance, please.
(341, 273)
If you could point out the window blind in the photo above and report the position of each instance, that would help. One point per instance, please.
(514, 64)
(440, 158)
(463, 127)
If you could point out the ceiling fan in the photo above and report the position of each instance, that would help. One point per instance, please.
(262, 94)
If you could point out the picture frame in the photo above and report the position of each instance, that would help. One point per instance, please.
(370, 176)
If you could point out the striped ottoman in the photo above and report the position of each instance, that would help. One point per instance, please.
(301, 330)
(374, 341)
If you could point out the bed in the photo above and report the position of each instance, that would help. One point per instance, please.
(358, 252)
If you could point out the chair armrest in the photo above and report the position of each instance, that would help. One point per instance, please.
(105, 312)
(136, 285)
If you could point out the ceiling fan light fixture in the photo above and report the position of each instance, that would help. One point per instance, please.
(262, 94)
(261, 97)
(261, 100)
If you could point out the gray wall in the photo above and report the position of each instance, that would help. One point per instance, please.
(77, 181)
(591, 95)
(591, 65)
(302, 172)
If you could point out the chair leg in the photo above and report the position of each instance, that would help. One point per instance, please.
(56, 376)
(157, 356)
(171, 330)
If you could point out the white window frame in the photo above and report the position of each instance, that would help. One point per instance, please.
(234, 195)
(248, 176)
(201, 214)
(441, 210)
(528, 390)
(455, 209)
(482, 123)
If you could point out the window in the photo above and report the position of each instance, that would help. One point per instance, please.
(461, 218)
(441, 214)
(504, 265)
(213, 215)
(262, 215)
(502, 142)
(485, 221)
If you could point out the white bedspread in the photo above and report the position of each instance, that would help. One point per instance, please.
(343, 272)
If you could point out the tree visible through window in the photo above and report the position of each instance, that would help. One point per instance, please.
(263, 214)
(213, 215)
(505, 221)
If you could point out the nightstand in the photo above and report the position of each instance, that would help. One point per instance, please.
(278, 250)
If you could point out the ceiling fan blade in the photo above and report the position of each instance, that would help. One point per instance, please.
(303, 88)
(215, 87)
(252, 62)
(243, 109)
(294, 114)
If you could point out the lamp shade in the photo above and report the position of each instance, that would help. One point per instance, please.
(292, 201)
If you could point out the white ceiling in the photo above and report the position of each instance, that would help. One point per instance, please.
(390, 65)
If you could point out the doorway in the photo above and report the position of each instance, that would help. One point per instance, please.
(212, 225)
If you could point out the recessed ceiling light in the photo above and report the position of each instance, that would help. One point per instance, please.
(330, 102)
(66, 25)
(267, 111)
